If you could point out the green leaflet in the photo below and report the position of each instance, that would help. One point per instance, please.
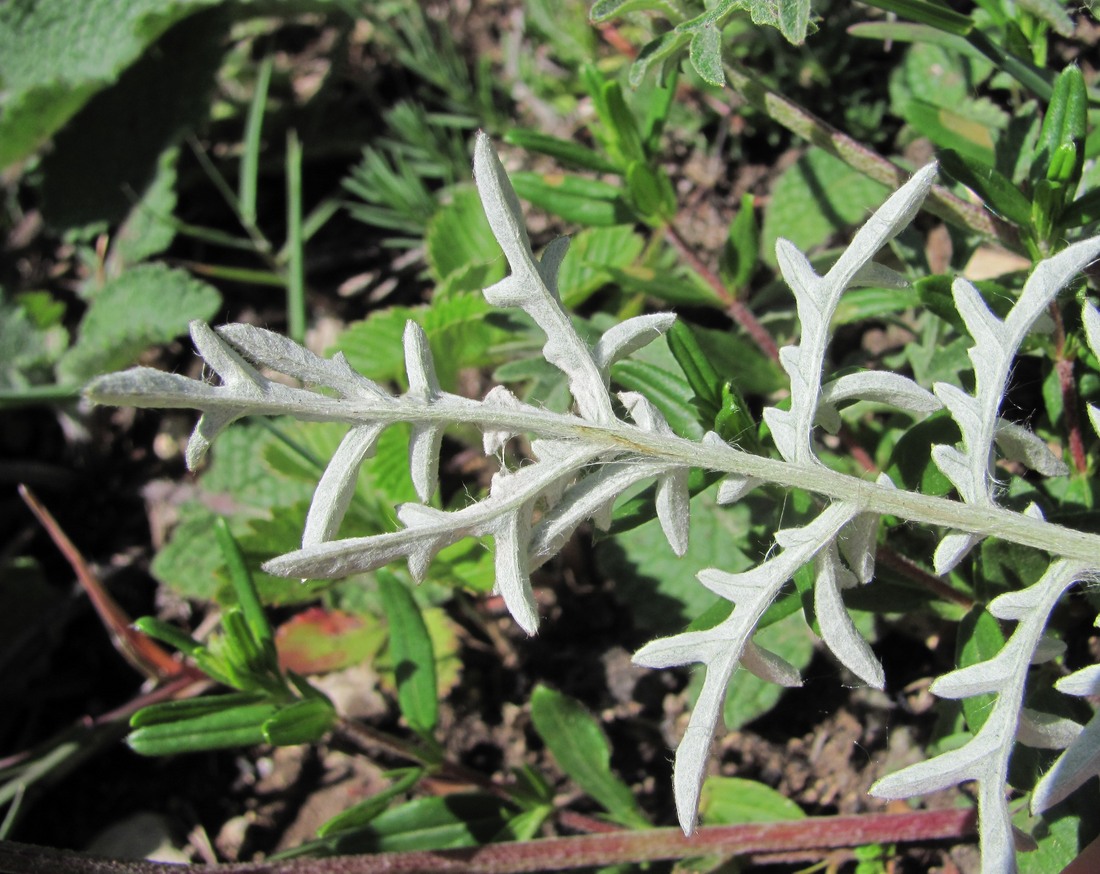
(412, 655)
(148, 304)
(581, 750)
(732, 800)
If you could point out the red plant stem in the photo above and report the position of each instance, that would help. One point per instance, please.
(734, 305)
(550, 854)
(143, 654)
(899, 563)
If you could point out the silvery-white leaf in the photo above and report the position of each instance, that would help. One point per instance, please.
(1047, 649)
(585, 499)
(493, 439)
(987, 330)
(502, 207)
(877, 275)
(768, 666)
(527, 287)
(880, 386)
(1013, 606)
(837, 629)
(1076, 766)
(939, 772)
(828, 418)
(1020, 444)
(1045, 731)
(859, 538)
(786, 438)
(1091, 319)
(426, 438)
(976, 679)
(959, 469)
(693, 752)
(1034, 511)
(1048, 278)
(550, 262)
(885, 224)
(628, 337)
(1094, 417)
(673, 508)
(951, 550)
(1082, 683)
(337, 486)
(643, 412)
(513, 576)
(732, 488)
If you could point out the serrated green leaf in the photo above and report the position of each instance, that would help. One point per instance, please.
(149, 304)
(233, 726)
(794, 20)
(591, 252)
(411, 654)
(979, 639)
(705, 52)
(582, 751)
(148, 229)
(732, 800)
(458, 237)
(108, 154)
(459, 328)
(813, 199)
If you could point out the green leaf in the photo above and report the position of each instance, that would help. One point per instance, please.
(979, 639)
(584, 201)
(591, 253)
(741, 252)
(567, 152)
(732, 800)
(705, 52)
(813, 199)
(794, 20)
(168, 634)
(148, 229)
(860, 304)
(965, 134)
(911, 463)
(458, 236)
(232, 726)
(109, 153)
(245, 590)
(581, 749)
(456, 820)
(302, 722)
(148, 304)
(999, 192)
(697, 368)
(668, 391)
(412, 655)
(54, 55)
(190, 708)
(359, 815)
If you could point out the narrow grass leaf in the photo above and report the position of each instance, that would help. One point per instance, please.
(412, 655)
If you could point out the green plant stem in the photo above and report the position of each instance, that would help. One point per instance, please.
(941, 202)
(295, 264)
(551, 854)
(736, 307)
(35, 395)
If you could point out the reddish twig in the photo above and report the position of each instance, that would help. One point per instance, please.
(552, 854)
(140, 651)
(902, 565)
(734, 305)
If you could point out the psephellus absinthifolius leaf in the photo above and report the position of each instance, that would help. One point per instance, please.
(584, 460)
